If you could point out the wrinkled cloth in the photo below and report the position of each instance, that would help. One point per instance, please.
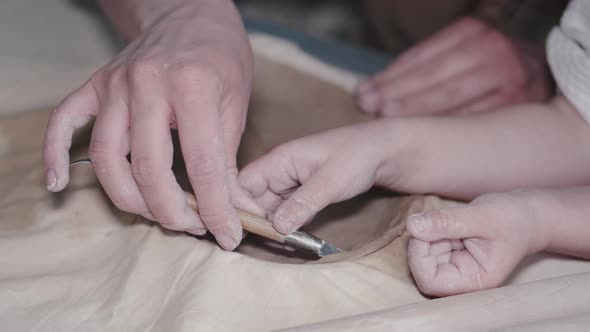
(72, 262)
(568, 54)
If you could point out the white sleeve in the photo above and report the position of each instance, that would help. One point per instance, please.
(568, 54)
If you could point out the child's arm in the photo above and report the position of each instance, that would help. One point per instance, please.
(525, 146)
(566, 212)
(476, 247)
(459, 157)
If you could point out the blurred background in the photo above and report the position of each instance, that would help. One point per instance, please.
(33, 34)
(392, 25)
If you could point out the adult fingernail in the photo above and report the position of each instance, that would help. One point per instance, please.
(420, 222)
(51, 179)
(369, 101)
(226, 242)
(198, 231)
(149, 216)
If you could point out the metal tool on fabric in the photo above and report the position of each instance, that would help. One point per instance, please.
(263, 227)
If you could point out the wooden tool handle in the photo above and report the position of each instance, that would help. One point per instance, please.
(251, 223)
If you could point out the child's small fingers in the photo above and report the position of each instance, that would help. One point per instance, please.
(439, 247)
(269, 200)
(328, 185)
(443, 258)
(243, 200)
(273, 171)
(421, 263)
(252, 179)
(454, 223)
(457, 244)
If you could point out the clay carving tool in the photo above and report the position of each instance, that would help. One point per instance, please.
(263, 227)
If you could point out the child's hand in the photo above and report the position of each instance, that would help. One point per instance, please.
(299, 178)
(471, 248)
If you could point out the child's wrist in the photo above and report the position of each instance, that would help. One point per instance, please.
(543, 225)
(398, 153)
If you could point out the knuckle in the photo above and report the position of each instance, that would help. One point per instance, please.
(60, 114)
(192, 74)
(281, 152)
(215, 221)
(202, 168)
(143, 69)
(282, 156)
(144, 171)
(98, 150)
(99, 77)
(98, 153)
(445, 220)
(113, 80)
(192, 70)
(304, 204)
(56, 115)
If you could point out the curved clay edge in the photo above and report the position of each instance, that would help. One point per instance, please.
(397, 227)
(287, 53)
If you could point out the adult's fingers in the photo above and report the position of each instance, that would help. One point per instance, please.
(431, 48)
(444, 96)
(197, 106)
(151, 162)
(491, 101)
(109, 147)
(74, 112)
(452, 223)
(431, 52)
(427, 76)
(233, 119)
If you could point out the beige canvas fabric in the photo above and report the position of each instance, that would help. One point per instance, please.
(77, 263)
(71, 262)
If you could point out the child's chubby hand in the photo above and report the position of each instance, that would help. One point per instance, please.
(476, 247)
(295, 180)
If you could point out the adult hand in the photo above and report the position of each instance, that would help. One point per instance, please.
(467, 67)
(188, 71)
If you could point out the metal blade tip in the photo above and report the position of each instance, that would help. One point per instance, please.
(328, 249)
